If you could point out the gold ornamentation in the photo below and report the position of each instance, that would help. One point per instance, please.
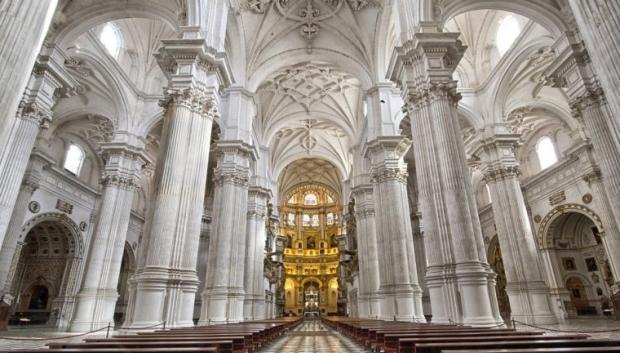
(587, 198)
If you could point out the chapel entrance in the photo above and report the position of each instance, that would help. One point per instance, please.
(497, 264)
(582, 265)
(42, 282)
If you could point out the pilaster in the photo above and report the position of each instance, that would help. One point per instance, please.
(402, 296)
(121, 177)
(527, 291)
(224, 294)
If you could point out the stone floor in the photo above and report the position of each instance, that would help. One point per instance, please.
(313, 337)
(310, 336)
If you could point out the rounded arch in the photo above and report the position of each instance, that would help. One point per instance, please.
(543, 13)
(282, 163)
(587, 282)
(299, 56)
(85, 18)
(68, 225)
(545, 230)
(311, 279)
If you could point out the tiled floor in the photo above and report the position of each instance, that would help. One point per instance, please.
(310, 337)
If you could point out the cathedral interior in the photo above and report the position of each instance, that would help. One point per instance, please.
(311, 164)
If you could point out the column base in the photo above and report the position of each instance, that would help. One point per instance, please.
(222, 305)
(398, 303)
(163, 296)
(530, 303)
(476, 284)
(94, 310)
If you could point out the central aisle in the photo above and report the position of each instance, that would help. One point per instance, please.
(313, 336)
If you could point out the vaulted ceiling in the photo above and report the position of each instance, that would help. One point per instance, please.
(310, 171)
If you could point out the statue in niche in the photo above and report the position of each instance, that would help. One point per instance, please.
(334, 241)
(351, 226)
(311, 243)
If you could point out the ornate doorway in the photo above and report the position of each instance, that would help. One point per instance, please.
(45, 273)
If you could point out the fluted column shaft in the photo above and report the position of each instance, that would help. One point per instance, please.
(23, 26)
(24, 131)
(599, 24)
(368, 255)
(98, 295)
(9, 247)
(401, 294)
(527, 291)
(165, 284)
(254, 303)
(460, 282)
(224, 285)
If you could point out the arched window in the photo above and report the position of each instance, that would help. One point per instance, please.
(73, 159)
(306, 220)
(486, 187)
(330, 218)
(507, 33)
(110, 37)
(315, 220)
(546, 153)
(310, 199)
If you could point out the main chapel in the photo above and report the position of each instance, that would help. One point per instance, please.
(322, 166)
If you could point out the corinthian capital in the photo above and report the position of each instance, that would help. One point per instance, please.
(31, 112)
(123, 182)
(384, 174)
(197, 100)
(429, 92)
(501, 172)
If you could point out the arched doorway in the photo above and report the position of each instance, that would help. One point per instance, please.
(579, 265)
(45, 279)
(497, 264)
(127, 269)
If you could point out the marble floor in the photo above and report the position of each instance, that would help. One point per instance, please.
(310, 336)
(313, 337)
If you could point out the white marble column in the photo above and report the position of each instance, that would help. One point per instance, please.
(166, 281)
(599, 25)
(165, 284)
(8, 251)
(369, 299)
(224, 285)
(573, 71)
(23, 26)
(254, 279)
(460, 282)
(97, 298)
(47, 83)
(525, 285)
(401, 295)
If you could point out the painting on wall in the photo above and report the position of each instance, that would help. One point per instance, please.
(591, 264)
(568, 263)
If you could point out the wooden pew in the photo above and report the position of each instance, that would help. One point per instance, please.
(439, 347)
(543, 350)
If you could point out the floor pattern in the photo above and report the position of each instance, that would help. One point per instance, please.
(313, 337)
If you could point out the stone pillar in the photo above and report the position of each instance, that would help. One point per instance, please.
(166, 281)
(224, 286)
(9, 247)
(34, 113)
(165, 284)
(23, 26)
(460, 282)
(254, 279)
(573, 72)
(599, 24)
(526, 288)
(369, 297)
(402, 296)
(97, 298)
(203, 257)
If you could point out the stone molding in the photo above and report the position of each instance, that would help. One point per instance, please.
(194, 99)
(499, 173)
(120, 181)
(427, 93)
(31, 112)
(592, 98)
(384, 174)
(237, 175)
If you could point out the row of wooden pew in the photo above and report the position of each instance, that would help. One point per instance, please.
(246, 337)
(405, 337)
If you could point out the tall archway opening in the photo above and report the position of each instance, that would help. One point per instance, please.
(312, 225)
(497, 264)
(581, 264)
(44, 277)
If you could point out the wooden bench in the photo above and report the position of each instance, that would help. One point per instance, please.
(440, 347)
(543, 350)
